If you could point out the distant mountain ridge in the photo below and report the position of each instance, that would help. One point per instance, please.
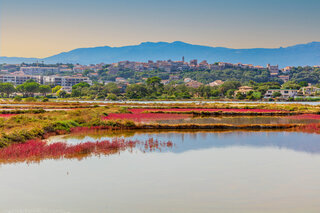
(297, 55)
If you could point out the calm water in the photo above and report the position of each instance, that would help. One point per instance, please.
(240, 120)
(205, 172)
(194, 102)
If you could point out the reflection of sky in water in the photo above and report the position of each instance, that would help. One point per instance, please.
(243, 172)
(302, 142)
(239, 120)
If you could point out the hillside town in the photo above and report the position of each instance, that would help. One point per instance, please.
(124, 74)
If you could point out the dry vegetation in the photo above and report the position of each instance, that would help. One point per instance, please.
(24, 124)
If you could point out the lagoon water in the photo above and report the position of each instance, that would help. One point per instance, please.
(204, 172)
(240, 120)
(198, 102)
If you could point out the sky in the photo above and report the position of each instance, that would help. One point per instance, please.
(41, 28)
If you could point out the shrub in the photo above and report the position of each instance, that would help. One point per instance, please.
(17, 98)
(276, 94)
(64, 125)
(124, 110)
(101, 97)
(30, 99)
(45, 99)
(112, 97)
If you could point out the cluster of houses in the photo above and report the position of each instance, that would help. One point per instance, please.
(173, 66)
(285, 93)
(67, 76)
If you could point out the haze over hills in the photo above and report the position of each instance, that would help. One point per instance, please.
(297, 55)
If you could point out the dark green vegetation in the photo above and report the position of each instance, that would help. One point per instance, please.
(298, 74)
(159, 84)
(153, 88)
(307, 74)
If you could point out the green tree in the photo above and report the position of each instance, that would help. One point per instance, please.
(229, 85)
(76, 93)
(81, 85)
(56, 89)
(276, 94)
(31, 88)
(62, 94)
(204, 91)
(136, 91)
(20, 88)
(112, 88)
(303, 83)
(154, 85)
(291, 85)
(44, 89)
(230, 93)
(254, 95)
(240, 96)
(7, 88)
(112, 97)
(215, 93)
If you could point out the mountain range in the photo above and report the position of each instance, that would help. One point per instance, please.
(297, 55)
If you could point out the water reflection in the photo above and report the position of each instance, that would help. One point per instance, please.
(225, 172)
(243, 120)
(196, 140)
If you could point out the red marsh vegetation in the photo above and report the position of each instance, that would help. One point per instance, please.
(6, 115)
(310, 128)
(149, 114)
(36, 150)
(139, 117)
(306, 116)
(202, 110)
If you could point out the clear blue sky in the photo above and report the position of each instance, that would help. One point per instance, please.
(39, 28)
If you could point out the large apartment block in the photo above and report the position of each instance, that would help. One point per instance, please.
(65, 81)
(19, 79)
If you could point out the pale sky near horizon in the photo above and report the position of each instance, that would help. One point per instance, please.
(41, 28)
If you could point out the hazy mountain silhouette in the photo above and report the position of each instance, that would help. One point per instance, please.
(298, 55)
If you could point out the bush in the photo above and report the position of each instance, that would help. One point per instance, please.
(240, 96)
(129, 123)
(45, 99)
(124, 110)
(17, 98)
(30, 99)
(64, 125)
(112, 97)
(100, 97)
(276, 94)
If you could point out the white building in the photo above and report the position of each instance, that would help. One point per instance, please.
(19, 79)
(65, 81)
(285, 93)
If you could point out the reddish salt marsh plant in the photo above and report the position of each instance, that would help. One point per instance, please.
(36, 150)
(140, 115)
(306, 116)
(202, 110)
(310, 128)
(6, 115)
(149, 114)
(145, 116)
